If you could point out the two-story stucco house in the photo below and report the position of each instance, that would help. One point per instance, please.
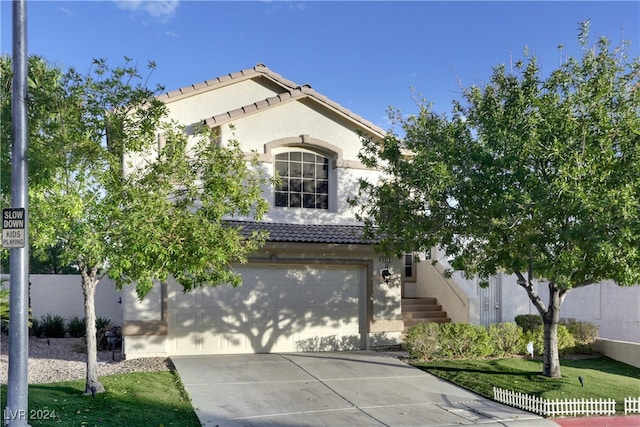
(317, 284)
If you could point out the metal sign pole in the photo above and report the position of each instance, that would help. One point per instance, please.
(16, 413)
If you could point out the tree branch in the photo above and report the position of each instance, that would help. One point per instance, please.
(533, 295)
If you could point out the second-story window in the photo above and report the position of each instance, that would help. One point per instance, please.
(304, 180)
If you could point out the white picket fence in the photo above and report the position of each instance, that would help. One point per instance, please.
(555, 408)
(631, 405)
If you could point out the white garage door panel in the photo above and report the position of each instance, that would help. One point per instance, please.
(278, 308)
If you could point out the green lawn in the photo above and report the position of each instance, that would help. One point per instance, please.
(138, 399)
(603, 378)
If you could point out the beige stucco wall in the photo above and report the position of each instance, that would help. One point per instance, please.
(614, 309)
(288, 121)
(190, 109)
(144, 321)
(149, 308)
(293, 118)
(137, 346)
(330, 133)
(61, 295)
(622, 351)
(456, 300)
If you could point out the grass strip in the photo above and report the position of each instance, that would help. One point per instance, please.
(143, 399)
(603, 378)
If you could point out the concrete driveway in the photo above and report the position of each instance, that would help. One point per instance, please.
(332, 389)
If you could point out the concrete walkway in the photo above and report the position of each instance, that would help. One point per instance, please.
(333, 390)
(608, 421)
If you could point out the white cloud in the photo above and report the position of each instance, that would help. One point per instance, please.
(297, 6)
(279, 6)
(65, 11)
(161, 10)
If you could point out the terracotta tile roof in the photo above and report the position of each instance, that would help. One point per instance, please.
(306, 233)
(290, 91)
(224, 80)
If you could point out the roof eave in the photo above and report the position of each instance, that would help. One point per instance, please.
(297, 94)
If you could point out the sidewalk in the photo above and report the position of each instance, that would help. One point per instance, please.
(613, 421)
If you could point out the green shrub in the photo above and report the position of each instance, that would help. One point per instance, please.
(4, 309)
(528, 322)
(583, 332)
(536, 337)
(35, 328)
(77, 327)
(103, 324)
(421, 341)
(438, 341)
(506, 338)
(464, 340)
(51, 327)
(565, 340)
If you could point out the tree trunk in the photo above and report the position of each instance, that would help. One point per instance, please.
(550, 319)
(89, 283)
(551, 358)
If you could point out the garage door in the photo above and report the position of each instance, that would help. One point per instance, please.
(277, 309)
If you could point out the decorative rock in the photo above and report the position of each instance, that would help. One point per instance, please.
(58, 359)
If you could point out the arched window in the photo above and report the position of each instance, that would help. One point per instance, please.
(304, 180)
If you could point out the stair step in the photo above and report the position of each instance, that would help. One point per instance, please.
(422, 307)
(422, 310)
(429, 315)
(422, 314)
(410, 302)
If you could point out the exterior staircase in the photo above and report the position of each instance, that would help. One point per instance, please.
(422, 310)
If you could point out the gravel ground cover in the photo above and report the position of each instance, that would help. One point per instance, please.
(58, 359)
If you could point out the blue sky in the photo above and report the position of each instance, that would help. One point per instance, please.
(364, 55)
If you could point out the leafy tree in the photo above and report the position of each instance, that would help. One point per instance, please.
(47, 261)
(117, 204)
(4, 306)
(527, 172)
(44, 93)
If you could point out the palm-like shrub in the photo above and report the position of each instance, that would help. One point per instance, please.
(76, 327)
(50, 326)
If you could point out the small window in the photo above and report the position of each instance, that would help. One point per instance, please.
(304, 180)
(409, 268)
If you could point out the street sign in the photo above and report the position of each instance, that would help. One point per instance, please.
(13, 228)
